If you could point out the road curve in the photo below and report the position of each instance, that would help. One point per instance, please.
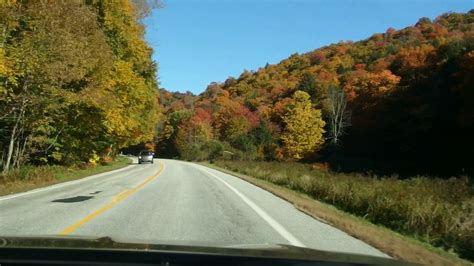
(169, 201)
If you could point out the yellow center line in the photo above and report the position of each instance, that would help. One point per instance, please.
(115, 200)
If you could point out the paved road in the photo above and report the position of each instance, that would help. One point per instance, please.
(169, 201)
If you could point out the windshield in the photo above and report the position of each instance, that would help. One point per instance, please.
(342, 126)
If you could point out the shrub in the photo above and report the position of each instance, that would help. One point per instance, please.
(105, 160)
(28, 173)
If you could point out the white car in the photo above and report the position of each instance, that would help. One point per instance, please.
(145, 156)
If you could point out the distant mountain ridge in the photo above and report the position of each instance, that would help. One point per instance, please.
(409, 94)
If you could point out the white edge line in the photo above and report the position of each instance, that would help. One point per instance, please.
(63, 184)
(265, 216)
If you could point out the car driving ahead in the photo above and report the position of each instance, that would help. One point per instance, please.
(145, 156)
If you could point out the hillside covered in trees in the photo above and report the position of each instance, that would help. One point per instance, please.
(76, 81)
(398, 102)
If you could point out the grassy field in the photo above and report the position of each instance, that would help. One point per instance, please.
(435, 211)
(31, 177)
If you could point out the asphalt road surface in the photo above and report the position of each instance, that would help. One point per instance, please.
(168, 202)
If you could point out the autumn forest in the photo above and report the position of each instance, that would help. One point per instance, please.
(400, 102)
(382, 128)
(77, 81)
(83, 87)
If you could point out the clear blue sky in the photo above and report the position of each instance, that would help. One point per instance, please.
(197, 42)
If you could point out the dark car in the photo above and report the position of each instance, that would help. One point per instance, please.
(145, 156)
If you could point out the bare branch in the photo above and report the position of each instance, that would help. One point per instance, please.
(339, 117)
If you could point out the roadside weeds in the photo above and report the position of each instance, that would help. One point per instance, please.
(36, 177)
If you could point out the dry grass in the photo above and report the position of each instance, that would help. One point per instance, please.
(298, 187)
(30, 177)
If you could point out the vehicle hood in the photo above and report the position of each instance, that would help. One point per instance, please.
(282, 251)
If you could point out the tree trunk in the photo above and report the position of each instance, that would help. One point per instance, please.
(4, 37)
(21, 154)
(11, 146)
(16, 154)
(110, 150)
(18, 117)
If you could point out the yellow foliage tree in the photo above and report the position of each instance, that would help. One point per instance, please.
(130, 107)
(304, 127)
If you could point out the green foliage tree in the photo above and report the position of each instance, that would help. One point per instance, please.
(308, 83)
